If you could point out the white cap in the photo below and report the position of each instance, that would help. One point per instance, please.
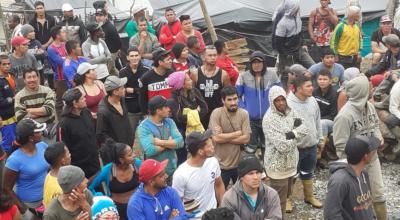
(85, 67)
(66, 7)
(138, 7)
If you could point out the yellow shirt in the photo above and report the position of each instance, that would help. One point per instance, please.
(51, 189)
(346, 39)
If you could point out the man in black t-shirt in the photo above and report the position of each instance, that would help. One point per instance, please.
(378, 47)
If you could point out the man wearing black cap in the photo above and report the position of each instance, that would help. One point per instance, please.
(153, 82)
(199, 178)
(249, 198)
(112, 117)
(97, 50)
(77, 131)
(253, 87)
(111, 37)
(349, 194)
(103, 5)
(158, 136)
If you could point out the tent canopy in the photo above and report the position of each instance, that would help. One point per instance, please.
(237, 11)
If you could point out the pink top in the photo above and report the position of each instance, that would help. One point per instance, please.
(181, 38)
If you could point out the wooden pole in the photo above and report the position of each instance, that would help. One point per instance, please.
(209, 23)
(2, 26)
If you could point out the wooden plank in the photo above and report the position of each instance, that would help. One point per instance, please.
(240, 59)
(239, 51)
(236, 44)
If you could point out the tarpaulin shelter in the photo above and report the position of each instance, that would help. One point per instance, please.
(253, 18)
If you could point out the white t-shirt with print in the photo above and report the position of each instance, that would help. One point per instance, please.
(198, 183)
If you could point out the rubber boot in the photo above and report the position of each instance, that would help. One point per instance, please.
(309, 194)
(289, 205)
(380, 210)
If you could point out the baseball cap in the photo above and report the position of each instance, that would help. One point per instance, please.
(99, 4)
(18, 40)
(101, 11)
(159, 53)
(27, 127)
(151, 168)
(138, 7)
(194, 139)
(66, 7)
(114, 82)
(358, 146)
(385, 18)
(92, 26)
(71, 95)
(391, 40)
(156, 102)
(257, 55)
(83, 68)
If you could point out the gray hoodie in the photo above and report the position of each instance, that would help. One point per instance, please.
(349, 196)
(281, 155)
(357, 116)
(309, 111)
(267, 205)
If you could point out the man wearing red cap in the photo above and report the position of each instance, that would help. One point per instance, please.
(21, 60)
(154, 199)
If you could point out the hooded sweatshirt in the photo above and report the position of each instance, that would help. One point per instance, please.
(281, 155)
(267, 204)
(357, 116)
(286, 29)
(143, 206)
(349, 196)
(309, 111)
(74, 28)
(254, 95)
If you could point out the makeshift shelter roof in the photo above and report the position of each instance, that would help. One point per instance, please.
(237, 11)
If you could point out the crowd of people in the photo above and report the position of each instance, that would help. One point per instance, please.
(180, 132)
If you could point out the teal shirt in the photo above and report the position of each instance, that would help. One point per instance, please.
(147, 131)
(252, 202)
(131, 28)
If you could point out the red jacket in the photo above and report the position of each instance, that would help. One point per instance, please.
(227, 64)
(181, 38)
(167, 34)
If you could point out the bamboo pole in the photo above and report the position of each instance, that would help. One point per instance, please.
(209, 23)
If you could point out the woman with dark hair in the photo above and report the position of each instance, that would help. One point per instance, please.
(8, 210)
(185, 98)
(93, 89)
(28, 179)
(120, 175)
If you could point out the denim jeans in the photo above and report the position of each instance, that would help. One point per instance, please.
(257, 135)
(307, 162)
(327, 126)
(228, 175)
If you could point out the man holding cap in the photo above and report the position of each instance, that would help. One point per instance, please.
(154, 199)
(77, 131)
(199, 178)
(76, 200)
(72, 25)
(112, 116)
(154, 82)
(20, 60)
(249, 198)
(349, 194)
(378, 46)
(158, 136)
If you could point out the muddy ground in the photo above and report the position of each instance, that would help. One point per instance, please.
(302, 211)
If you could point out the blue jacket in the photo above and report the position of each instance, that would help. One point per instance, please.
(143, 206)
(147, 131)
(70, 67)
(104, 176)
(252, 97)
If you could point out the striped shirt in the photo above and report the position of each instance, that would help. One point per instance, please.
(42, 97)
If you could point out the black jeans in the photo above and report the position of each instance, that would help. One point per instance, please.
(228, 175)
